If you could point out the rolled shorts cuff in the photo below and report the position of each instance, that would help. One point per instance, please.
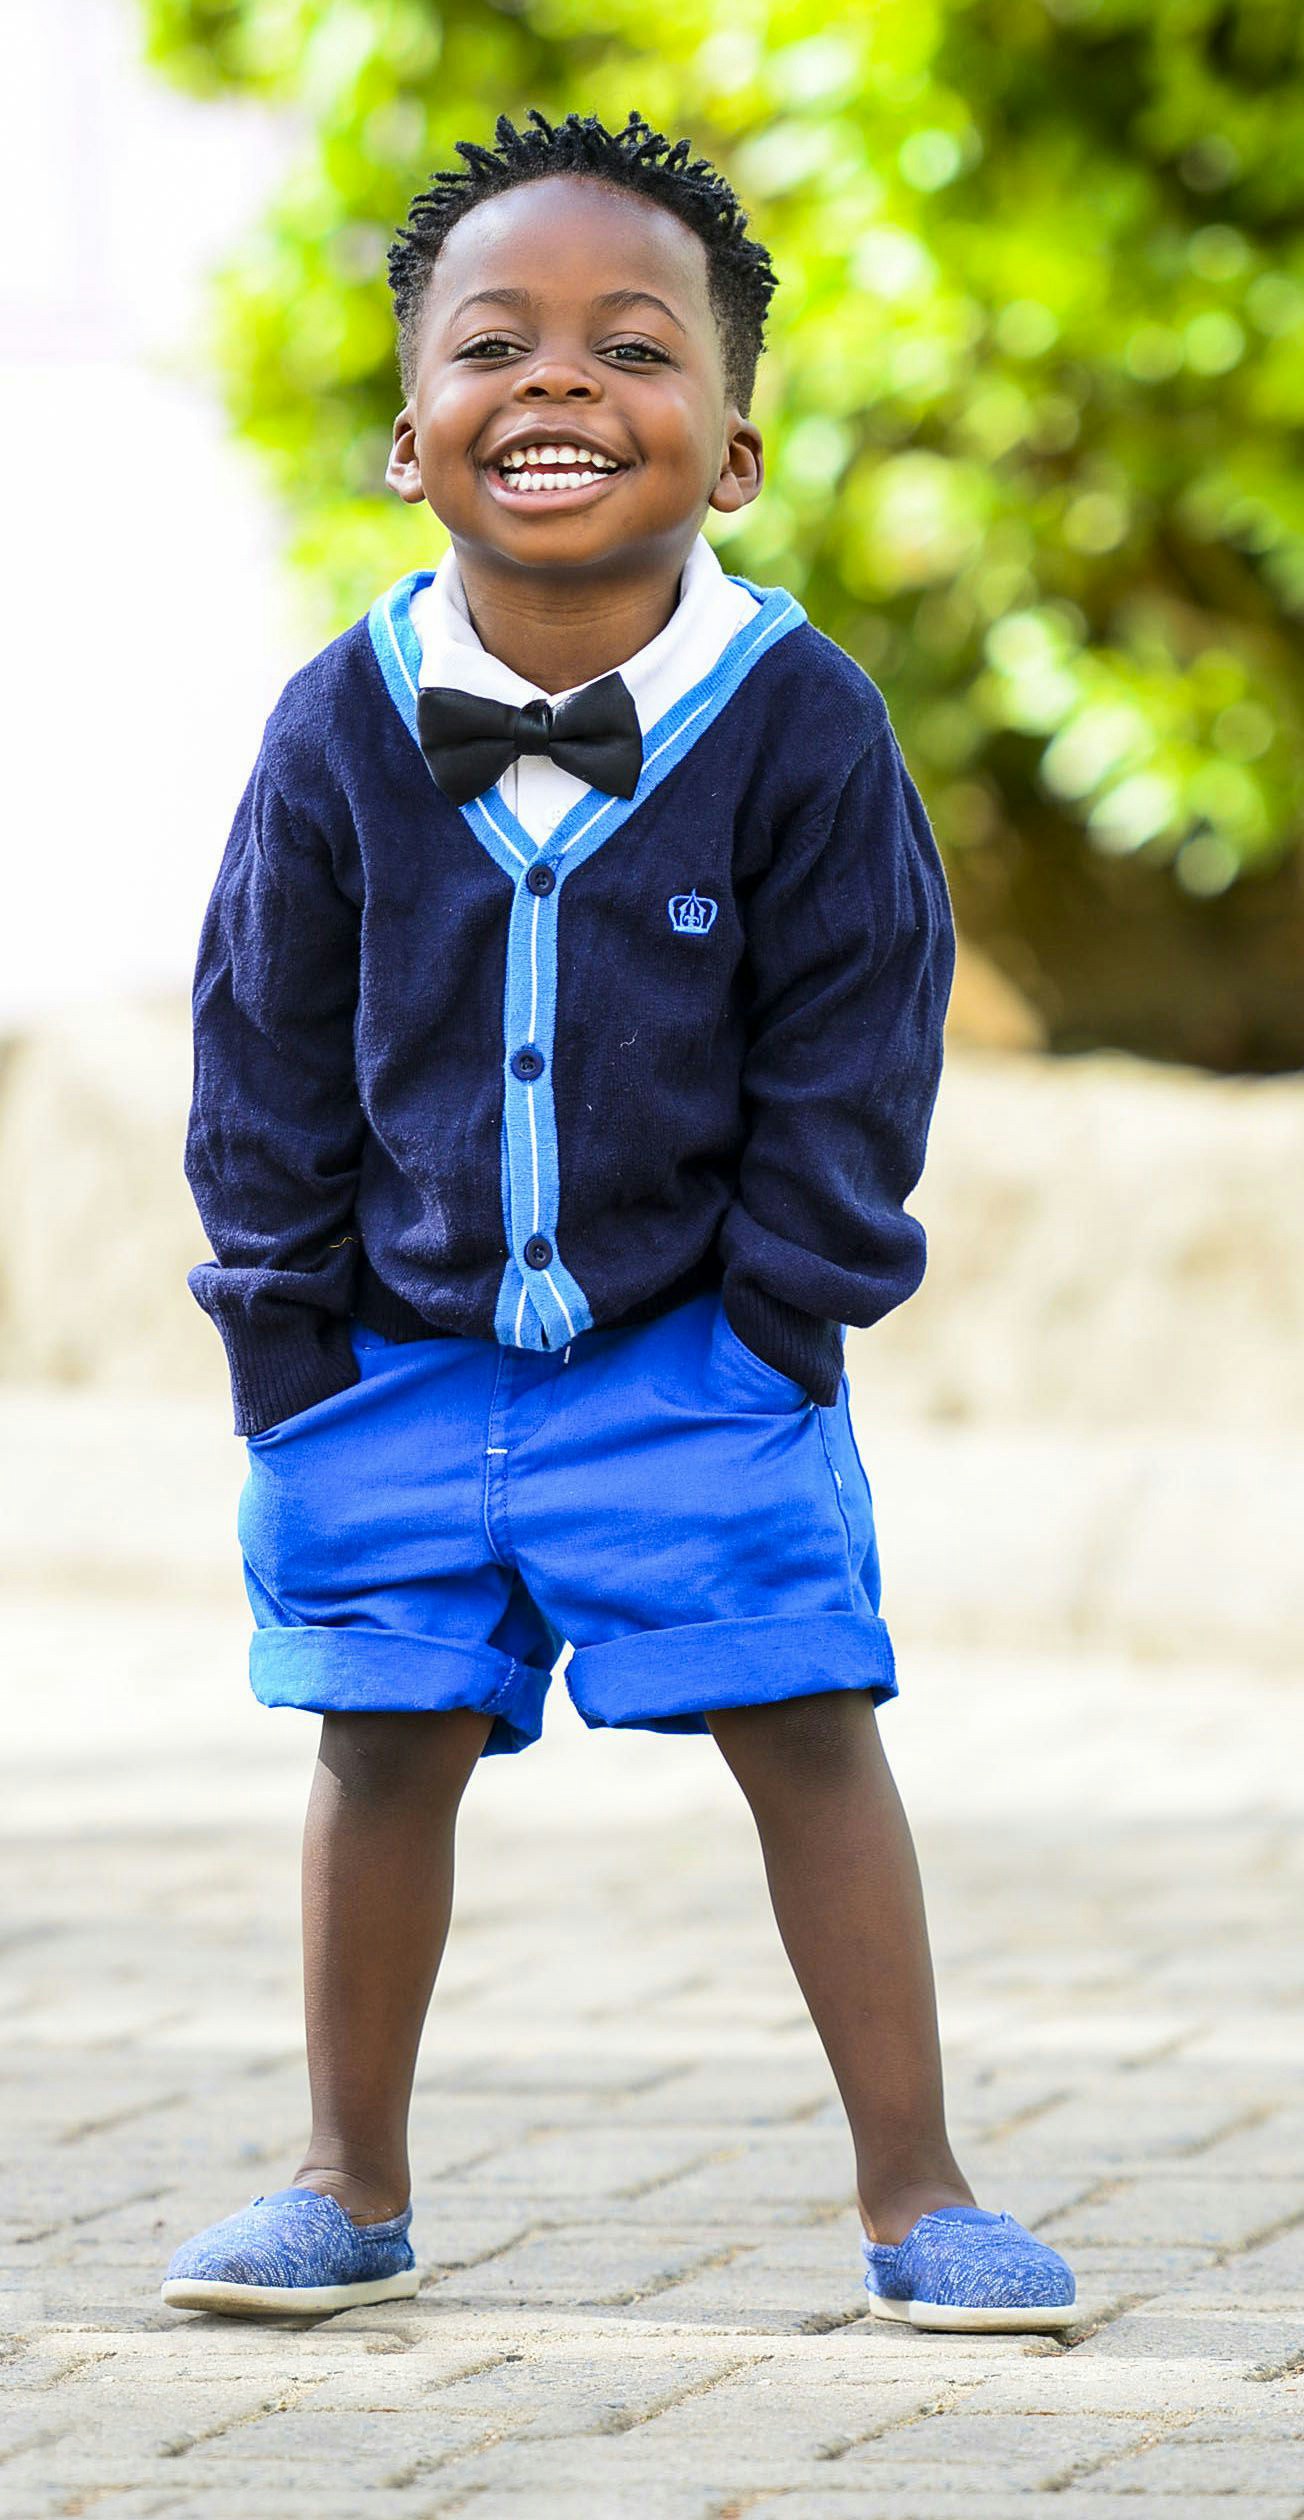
(667, 1678)
(374, 1671)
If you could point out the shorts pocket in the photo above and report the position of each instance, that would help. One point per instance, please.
(783, 1389)
(302, 1417)
(365, 1344)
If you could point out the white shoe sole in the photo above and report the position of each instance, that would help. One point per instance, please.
(249, 2301)
(966, 2319)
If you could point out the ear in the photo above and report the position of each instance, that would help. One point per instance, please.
(743, 469)
(403, 472)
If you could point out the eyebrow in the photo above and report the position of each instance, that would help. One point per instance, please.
(612, 298)
(640, 297)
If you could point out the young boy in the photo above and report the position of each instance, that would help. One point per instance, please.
(568, 1023)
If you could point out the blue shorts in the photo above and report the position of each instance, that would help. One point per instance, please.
(678, 1510)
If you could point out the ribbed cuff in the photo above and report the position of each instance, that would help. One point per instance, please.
(797, 1343)
(284, 1363)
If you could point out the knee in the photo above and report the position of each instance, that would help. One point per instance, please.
(813, 1743)
(386, 1759)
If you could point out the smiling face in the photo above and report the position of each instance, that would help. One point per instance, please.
(569, 413)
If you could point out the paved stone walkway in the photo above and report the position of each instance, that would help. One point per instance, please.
(635, 2193)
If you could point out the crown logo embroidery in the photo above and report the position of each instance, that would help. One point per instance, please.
(691, 913)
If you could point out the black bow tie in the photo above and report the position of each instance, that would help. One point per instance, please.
(468, 742)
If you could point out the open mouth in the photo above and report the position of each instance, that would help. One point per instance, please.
(551, 469)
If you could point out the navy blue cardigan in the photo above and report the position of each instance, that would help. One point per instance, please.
(449, 1081)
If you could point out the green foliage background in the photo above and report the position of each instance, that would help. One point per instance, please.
(1032, 406)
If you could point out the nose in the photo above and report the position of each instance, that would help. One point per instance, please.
(556, 380)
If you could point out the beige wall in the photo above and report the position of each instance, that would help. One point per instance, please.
(1111, 1245)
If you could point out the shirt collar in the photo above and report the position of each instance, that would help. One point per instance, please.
(710, 609)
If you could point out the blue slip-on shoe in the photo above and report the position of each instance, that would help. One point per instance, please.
(295, 2251)
(963, 2268)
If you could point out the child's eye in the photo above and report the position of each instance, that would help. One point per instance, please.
(626, 351)
(491, 345)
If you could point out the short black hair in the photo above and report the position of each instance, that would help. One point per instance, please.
(741, 276)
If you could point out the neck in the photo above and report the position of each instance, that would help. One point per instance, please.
(559, 632)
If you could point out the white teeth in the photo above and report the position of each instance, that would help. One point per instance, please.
(533, 457)
(523, 480)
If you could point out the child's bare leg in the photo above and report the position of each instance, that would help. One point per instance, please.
(845, 1885)
(377, 1896)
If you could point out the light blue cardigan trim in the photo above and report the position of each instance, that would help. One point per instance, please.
(544, 1308)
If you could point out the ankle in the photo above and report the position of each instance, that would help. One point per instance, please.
(888, 2210)
(370, 2197)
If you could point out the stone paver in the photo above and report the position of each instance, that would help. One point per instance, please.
(635, 2195)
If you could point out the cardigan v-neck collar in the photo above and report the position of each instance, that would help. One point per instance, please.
(397, 649)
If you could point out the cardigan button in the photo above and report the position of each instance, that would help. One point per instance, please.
(538, 1251)
(527, 1062)
(541, 879)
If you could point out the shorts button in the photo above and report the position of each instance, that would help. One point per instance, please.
(527, 1062)
(540, 879)
(538, 1252)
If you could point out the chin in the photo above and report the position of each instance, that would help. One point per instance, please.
(554, 544)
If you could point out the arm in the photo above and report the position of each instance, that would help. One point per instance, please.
(275, 1130)
(851, 944)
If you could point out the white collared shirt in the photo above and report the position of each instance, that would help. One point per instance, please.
(710, 611)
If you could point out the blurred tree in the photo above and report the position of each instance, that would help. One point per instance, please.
(1033, 397)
